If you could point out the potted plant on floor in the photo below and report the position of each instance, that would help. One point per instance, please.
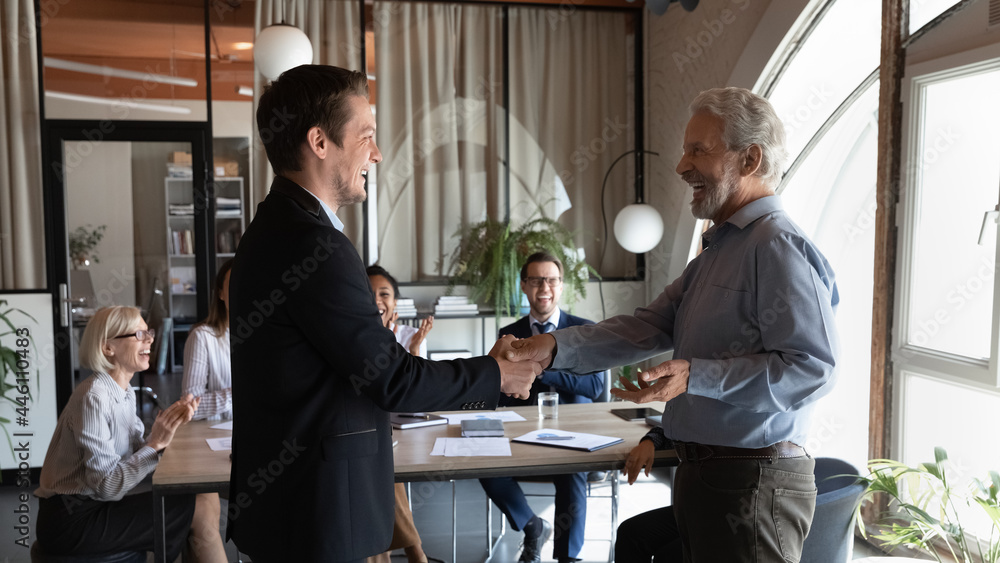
(924, 510)
(490, 253)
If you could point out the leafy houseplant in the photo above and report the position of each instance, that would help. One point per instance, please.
(82, 243)
(924, 510)
(490, 253)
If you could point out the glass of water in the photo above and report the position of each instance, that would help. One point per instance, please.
(548, 404)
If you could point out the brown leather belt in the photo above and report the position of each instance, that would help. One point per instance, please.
(690, 451)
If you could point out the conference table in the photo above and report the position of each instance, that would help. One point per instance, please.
(189, 466)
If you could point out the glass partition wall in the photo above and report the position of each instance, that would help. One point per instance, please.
(492, 111)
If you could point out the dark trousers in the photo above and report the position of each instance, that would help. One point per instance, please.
(733, 510)
(571, 509)
(76, 525)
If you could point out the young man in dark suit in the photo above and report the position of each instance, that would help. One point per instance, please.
(315, 370)
(541, 282)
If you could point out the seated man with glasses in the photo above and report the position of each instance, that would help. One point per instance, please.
(541, 282)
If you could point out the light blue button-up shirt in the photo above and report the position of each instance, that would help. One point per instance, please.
(753, 313)
(337, 223)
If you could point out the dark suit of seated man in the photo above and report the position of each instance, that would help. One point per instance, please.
(541, 281)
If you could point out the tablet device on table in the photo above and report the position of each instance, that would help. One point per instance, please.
(636, 414)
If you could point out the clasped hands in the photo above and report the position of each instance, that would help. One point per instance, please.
(168, 421)
(521, 361)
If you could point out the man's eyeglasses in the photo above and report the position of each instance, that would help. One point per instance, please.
(537, 281)
(140, 335)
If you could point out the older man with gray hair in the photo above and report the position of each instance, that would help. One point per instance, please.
(751, 326)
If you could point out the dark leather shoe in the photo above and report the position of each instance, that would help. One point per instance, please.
(596, 477)
(532, 552)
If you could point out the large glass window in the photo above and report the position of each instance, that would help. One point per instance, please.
(954, 234)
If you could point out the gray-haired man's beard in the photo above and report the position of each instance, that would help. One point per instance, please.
(715, 196)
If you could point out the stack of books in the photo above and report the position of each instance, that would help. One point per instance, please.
(405, 309)
(181, 209)
(227, 207)
(179, 170)
(454, 305)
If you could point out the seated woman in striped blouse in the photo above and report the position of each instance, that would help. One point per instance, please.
(206, 355)
(98, 455)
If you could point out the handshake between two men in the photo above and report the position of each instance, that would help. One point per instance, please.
(522, 360)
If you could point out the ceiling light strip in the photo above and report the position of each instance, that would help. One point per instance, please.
(118, 73)
(121, 102)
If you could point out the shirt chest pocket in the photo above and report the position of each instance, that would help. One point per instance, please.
(728, 314)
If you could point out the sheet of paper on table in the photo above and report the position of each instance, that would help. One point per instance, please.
(466, 447)
(220, 444)
(506, 416)
(227, 425)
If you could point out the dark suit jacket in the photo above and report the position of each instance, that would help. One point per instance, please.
(315, 374)
(572, 388)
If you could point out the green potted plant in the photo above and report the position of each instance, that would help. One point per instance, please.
(82, 244)
(490, 253)
(924, 510)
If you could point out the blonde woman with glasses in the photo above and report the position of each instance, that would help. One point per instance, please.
(98, 455)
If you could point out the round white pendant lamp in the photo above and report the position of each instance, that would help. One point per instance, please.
(638, 227)
(280, 47)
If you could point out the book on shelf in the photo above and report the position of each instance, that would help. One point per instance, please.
(182, 242)
(456, 299)
(405, 420)
(482, 428)
(226, 242)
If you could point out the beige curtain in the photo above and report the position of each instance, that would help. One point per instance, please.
(572, 115)
(333, 27)
(22, 252)
(439, 129)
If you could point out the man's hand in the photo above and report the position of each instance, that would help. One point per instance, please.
(169, 420)
(538, 348)
(641, 456)
(516, 377)
(673, 380)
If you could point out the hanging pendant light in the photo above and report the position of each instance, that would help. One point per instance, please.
(280, 47)
(638, 226)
